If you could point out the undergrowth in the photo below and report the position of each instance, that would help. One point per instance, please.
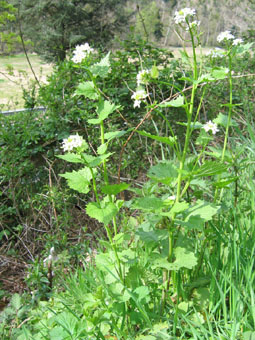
(169, 255)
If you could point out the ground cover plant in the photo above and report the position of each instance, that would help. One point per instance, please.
(176, 259)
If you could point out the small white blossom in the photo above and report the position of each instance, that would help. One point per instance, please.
(225, 36)
(52, 257)
(133, 61)
(237, 41)
(73, 141)
(216, 53)
(183, 14)
(138, 97)
(193, 24)
(172, 198)
(81, 52)
(211, 126)
(142, 77)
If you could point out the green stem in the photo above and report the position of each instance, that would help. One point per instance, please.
(229, 117)
(189, 114)
(106, 179)
(230, 107)
(94, 185)
(188, 182)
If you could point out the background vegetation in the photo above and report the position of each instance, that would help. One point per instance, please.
(68, 292)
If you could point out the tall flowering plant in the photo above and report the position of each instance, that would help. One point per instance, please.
(182, 195)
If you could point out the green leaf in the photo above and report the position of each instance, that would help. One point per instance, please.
(104, 328)
(183, 306)
(194, 125)
(71, 157)
(102, 149)
(203, 139)
(159, 327)
(115, 134)
(167, 140)
(163, 263)
(94, 121)
(105, 108)
(185, 57)
(148, 203)
(240, 49)
(154, 72)
(145, 337)
(249, 335)
(220, 73)
(178, 102)
(87, 90)
(202, 297)
(222, 120)
(142, 293)
(127, 255)
(93, 161)
(103, 215)
(177, 208)
(211, 168)
(163, 172)
(114, 189)
(102, 68)
(224, 182)
(16, 301)
(79, 180)
(194, 222)
(203, 210)
(67, 321)
(152, 235)
(183, 259)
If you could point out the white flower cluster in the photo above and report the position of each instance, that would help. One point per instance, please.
(142, 77)
(227, 35)
(138, 97)
(51, 258)
(183, 14)
(211, 126)
(194, 24)
(216, 53)
(81, 52)
(237, 41)
(72, 142)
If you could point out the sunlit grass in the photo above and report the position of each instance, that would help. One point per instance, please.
(15, 73)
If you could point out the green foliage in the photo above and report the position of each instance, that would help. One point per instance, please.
(56, 27)
(148, 22)
(188, 229)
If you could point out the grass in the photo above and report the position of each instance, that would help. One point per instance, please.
(15, 73)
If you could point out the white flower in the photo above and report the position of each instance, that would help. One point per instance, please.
(183, 14)
(81, 52)
(211, 126)
(138, 97)
(52, 257)
(225, 36)
(172, 198)
(237, 41)
(193, 24)
(216, 53)
(142, 77)
(73, 141)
